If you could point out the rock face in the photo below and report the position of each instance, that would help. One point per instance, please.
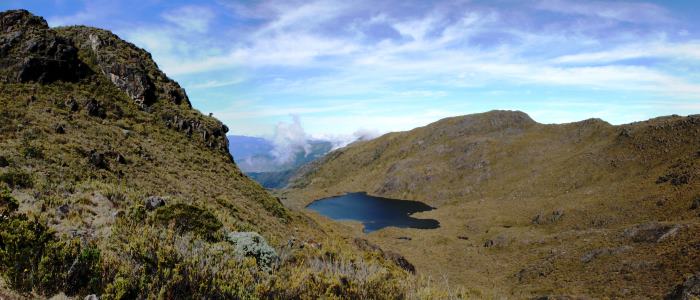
(212, 134)
(154, 202)
(130, 68)
(595, 253)
(31, 52)
(689, 290)
(542, 219)
(652, 232)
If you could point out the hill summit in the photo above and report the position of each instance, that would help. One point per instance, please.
(112, 185)
(526, 210)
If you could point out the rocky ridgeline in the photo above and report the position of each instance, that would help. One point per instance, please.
(30, 51)
(130, 68)
(213, 135)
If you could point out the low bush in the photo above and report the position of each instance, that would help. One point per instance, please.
(8, 204)
(17, 178)
(33, 259)
(188, 218)
(33, 152)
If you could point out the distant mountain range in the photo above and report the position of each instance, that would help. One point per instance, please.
(272, 164)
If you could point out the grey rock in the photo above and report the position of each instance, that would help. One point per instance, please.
(534, 271)
(593, 254)
(154, 202)
(128, 67)
(651, 232)
(121, 159)
(499, 241)
(553, 217)
(63, 210)
(366, 245)
(689, 290)
(400, 261)
(252, 244)
(60, 129)
(72, 105)
(97, 159)
(696, 203)
(32, 52)
(95, 109)
(91, 297)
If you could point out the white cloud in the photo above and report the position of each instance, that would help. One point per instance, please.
(634, 12)
(320, 51)
(190, 18)
(686, 50)
(289, 139)
(216, 83)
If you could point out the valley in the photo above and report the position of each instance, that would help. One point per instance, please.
(584, 209)
(114, 185)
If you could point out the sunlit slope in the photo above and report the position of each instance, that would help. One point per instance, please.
(112, 185)
(535, 209)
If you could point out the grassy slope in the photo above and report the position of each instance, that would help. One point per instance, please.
(97, 213)
(490, 174)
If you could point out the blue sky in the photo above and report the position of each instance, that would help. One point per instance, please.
(379, 66)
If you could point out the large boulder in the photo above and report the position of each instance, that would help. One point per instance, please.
(252, 244)
(31, 52)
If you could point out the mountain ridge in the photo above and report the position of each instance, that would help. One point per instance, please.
(112, 185)
(533, 205)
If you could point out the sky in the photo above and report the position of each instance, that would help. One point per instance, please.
(345, 68)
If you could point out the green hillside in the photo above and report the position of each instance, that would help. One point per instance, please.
(585, 209)
(111, 184)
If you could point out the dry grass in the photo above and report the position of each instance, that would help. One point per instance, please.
(491, 174)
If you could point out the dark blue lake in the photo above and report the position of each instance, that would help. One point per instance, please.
(374, 212)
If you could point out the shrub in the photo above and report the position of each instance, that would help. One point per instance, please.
(8, 204)
(33, 259)
(17, 178)
(32, 152)
(254, 245)
(188, 218)
(22, 244)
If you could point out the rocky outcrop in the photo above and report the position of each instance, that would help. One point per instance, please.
(211, 132)
(652, 232)
(153, 202)
(689, 290)
(31, 52)
(595, 253)
(542, 219)
(130, 68)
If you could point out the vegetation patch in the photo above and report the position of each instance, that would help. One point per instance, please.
(33, 259)
(187, 218)
(17, 178)
(8, 204)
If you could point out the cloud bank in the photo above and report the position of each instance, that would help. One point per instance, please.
(394, 65)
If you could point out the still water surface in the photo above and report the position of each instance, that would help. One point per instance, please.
(374, 212)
